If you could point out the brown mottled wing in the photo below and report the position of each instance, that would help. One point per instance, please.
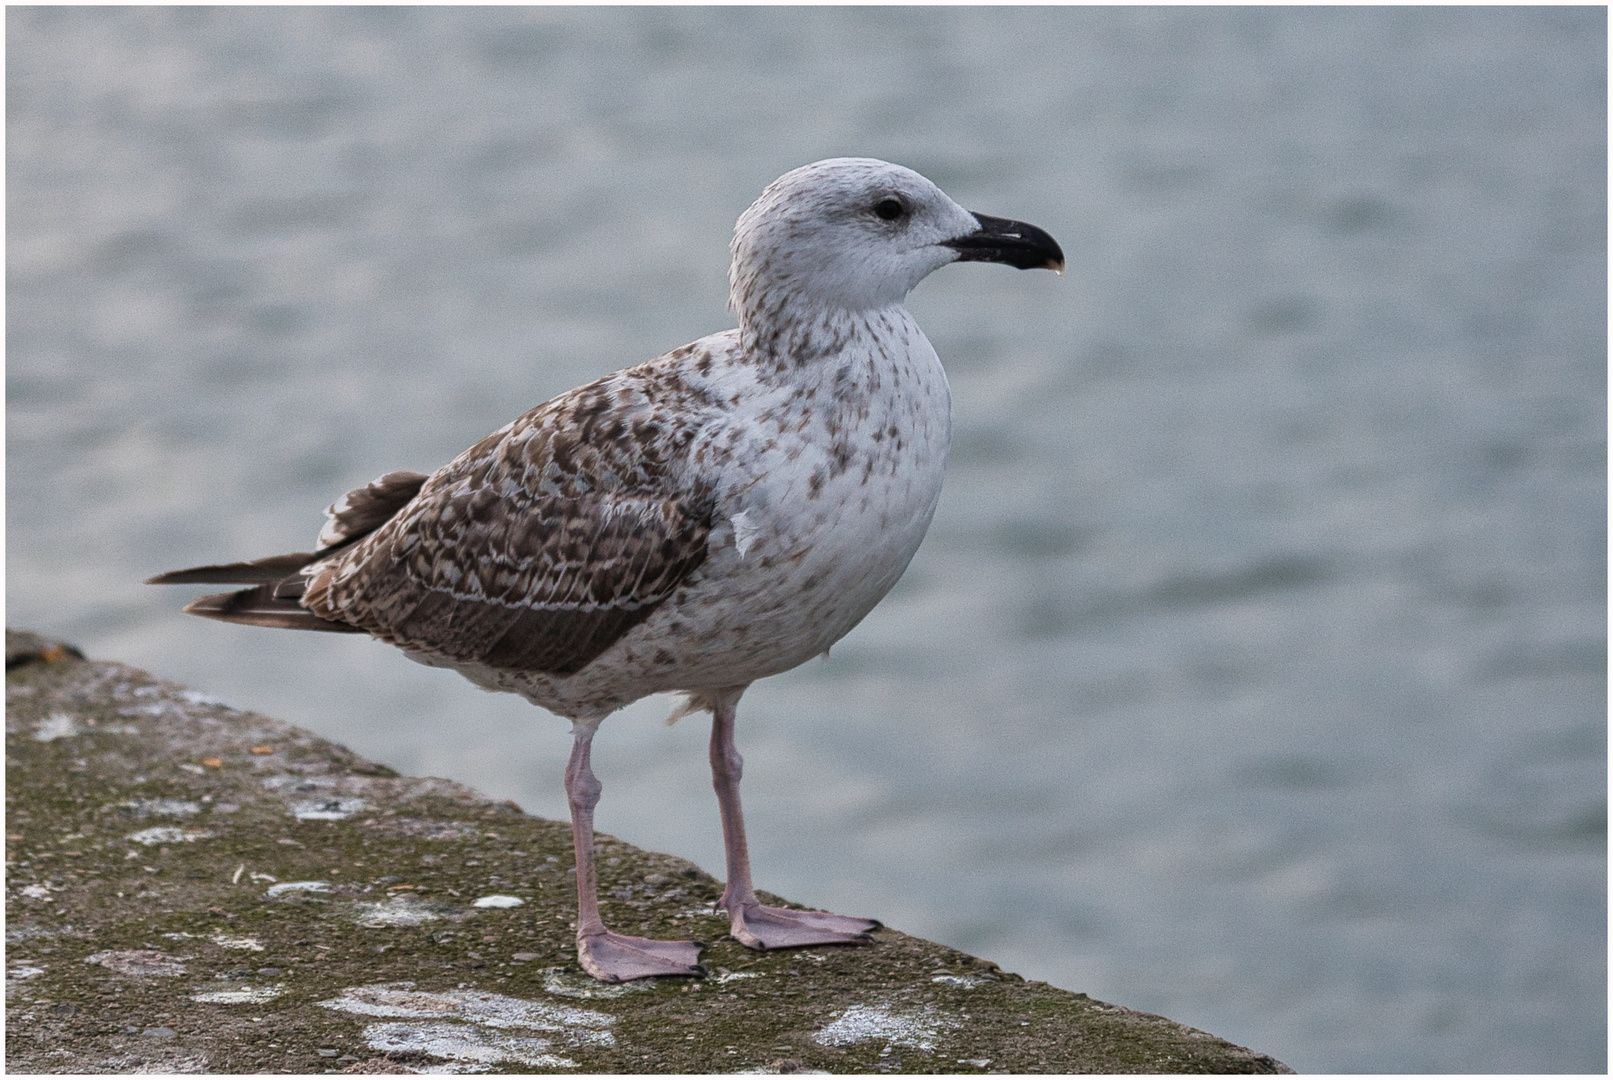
(539, 547)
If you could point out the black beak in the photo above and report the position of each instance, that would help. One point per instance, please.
(1012, 242)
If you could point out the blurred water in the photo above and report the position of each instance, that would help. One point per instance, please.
(1254, 669)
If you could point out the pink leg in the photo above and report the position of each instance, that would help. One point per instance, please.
(608, 956)
(752, 922)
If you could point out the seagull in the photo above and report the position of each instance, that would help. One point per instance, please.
(722, 513)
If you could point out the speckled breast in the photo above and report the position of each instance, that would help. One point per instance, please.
(826, 480)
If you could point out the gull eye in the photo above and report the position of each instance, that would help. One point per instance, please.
(889, 209)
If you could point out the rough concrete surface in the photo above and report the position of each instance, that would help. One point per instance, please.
(193, 888)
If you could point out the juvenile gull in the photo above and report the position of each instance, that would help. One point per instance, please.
(722, 513)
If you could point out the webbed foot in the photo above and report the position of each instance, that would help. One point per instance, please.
(762, 927)
(611, 957)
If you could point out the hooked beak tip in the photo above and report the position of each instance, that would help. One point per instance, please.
(1015, 243)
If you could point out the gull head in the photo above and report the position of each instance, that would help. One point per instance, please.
(857, 234)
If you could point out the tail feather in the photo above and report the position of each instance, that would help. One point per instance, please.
(260, 607)
(258, 571)
(279, 580)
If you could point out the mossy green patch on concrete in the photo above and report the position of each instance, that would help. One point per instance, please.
(194, 888)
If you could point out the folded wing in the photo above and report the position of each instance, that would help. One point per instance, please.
(535, 550)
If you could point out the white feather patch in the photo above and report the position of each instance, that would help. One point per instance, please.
(745, 532)
(692, 703)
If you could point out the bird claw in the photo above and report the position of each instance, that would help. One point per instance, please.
(613, 958)
(761, 927)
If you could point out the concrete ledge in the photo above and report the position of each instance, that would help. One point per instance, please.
(192, 888)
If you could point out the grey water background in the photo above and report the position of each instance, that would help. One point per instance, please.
(1253, 671)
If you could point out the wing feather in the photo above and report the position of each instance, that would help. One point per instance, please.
(259, 571)
(260, 607)
(363, 510)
